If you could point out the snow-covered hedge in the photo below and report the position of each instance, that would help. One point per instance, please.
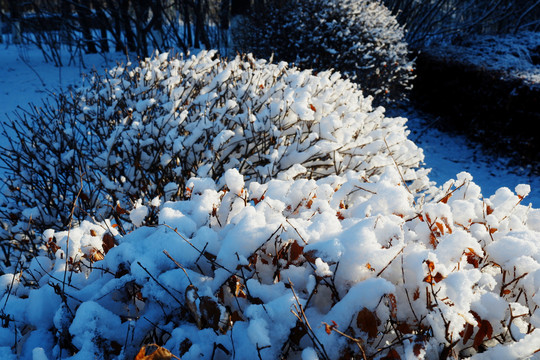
(361, 39)
(338, 267)
(140, 132)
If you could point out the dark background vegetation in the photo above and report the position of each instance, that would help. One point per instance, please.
(136, 26)
(479, 103)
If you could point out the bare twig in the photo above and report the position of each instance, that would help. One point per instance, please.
(299, 313)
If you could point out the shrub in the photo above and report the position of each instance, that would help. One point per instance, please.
(344, 266)
(139, 132)
(361, 39)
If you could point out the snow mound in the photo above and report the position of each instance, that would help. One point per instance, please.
(290, 269)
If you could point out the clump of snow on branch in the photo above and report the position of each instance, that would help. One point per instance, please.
(140, 132)
(345, 264)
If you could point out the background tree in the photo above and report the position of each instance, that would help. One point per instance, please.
(361, 39)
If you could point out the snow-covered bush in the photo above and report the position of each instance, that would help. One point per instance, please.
(139, 132)
(340, 267)
(361, 39)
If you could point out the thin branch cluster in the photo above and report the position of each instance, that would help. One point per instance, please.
(139, 132)
(341, 267)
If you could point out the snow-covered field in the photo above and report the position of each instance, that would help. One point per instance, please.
(30, 80)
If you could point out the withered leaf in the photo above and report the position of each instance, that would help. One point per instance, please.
(469, 329)
(297, 333)
(235, 316)
(440, 227)
(210, 313)
(393, 305)
(417, 349)
(404, 328)
(433, 240)
(191, 295)
(444, 200)
(392, 354)
(107, 242)
(159, 354)
(485, 331)
(97, 256)
(119, 210)
(438, 277)
(185, 345)
(329, 328)
(473, 259)
(367, 322)
(416, 294)
(311, 256)
(296, 251)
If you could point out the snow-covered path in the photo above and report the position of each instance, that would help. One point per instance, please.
(25, 77)
(448, 155)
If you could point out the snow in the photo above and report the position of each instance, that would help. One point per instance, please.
(510, 53)
(331, 246)
(448, 155)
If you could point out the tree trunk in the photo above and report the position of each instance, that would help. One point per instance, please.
(225, 19)
(201, 36)
(187, 24)
(113, 8)
(126, 22)
(84, 15)
(66, 26)
(15, 19)
(104, 25)
(141, 8)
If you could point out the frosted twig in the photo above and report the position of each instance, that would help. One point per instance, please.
(301, 316)
(161, 285)
(178, 264)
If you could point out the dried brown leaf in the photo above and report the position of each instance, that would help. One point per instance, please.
(159, 354)
(296, 251)
(469, 329)
(210, 313)
(444, 200)
(367, 321)
(393, 305)
(107, 242)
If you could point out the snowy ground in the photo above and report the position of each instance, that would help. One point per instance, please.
(447, 155)
(517, 55)
(25, 78)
